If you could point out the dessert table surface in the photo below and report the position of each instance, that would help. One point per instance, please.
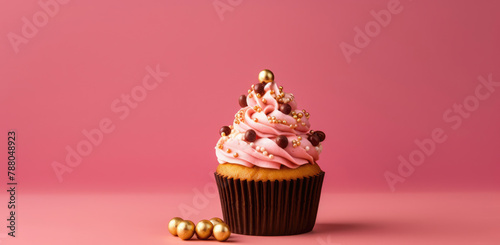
(343, 219)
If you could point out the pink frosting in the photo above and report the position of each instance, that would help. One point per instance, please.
(262, 115)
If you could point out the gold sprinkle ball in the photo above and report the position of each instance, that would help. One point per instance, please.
(204, 229)
(216, 220)
(185, 229)
(172, 225)
(266, 76)
(221, 232)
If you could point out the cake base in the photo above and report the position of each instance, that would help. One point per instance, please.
(270, 208)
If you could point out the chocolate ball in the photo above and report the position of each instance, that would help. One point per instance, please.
(250, 135)
(321, 135)
(243, 100)
(259, 88)
(226, 130)
(282, 141)
(285, 108)
(314, 139)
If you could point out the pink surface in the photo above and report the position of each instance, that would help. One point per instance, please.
(407, 93)
(344, 219)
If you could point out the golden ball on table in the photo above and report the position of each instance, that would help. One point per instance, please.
(185, 229)
(266, 76)
(204, 229)
(221, 232)
(216, 220)
(172, 225)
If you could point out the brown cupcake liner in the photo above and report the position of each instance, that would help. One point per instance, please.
(270, 208)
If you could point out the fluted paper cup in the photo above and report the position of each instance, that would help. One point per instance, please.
(270, 208)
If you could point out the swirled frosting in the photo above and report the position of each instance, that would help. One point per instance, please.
(262, 115)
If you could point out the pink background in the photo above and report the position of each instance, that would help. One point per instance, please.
(372, 109)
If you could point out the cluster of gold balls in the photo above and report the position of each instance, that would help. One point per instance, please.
(185, 229)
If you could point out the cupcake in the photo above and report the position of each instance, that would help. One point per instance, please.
(268, 178)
